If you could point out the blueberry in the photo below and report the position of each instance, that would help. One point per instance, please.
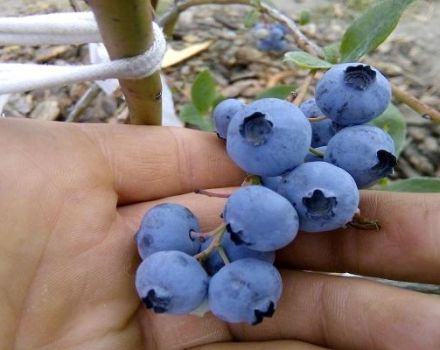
(323, 130)
(171, 282)
(268, 137)
(260, 219)
(223, 114)
(167, 227)
(246, 290)
(312, 158)
(353, 93)
(365, 151)
(271, 37)
(271, 182)
(325, 196)
(233, 252)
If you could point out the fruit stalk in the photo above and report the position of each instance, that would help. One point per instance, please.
(126, 30)
(218, 234)
(303, 89)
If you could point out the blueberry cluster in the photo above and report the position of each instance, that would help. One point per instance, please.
(271, 37)
(232, 266)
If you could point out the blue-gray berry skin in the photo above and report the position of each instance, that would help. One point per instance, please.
(246, 290)
(325, 196)
(234, 252)
(312, 158)
(365, 151)
(260, 219)
(171, 282)
(223, 114)
(353, 93)
(268, 137)
(323, 130)
(271, 182)
(167, 227)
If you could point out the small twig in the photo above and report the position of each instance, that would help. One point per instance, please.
(316, 152)
(363, 223)
(215, 243)
(415, 104)
(202, 236)
(317, 119)
(300, 39)
(81, 105)
(212, 194)
(302, 92)
(221, 251)
(275, 79)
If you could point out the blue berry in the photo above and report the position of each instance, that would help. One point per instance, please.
(234, 252)
(323, 130)
(353, 93)
(246, 290)
(325, 196)
(223, 114)
(260, 219)
(312, 158)
(365, 151)
(167, 227)
(268, 137)
(271, 37)
(171, 282)
(271, 182)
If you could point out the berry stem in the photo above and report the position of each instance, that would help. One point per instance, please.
(212, 194)
(251, 180)
(202, 236)
(363, 223)
(316, 152)
(302, 92)
(415, 104)
(223, 255)
(218, 234)
(317, 119)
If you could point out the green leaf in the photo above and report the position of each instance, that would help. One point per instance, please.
(394, 123)
(331, 53)
(251, 18)
(416, 184)
(369, 30)
(203, 91)
(279, 91)
(256, 3)
(191, 115)
(304, 60)
(304, 17)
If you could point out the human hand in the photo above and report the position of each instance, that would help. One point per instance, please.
(72, 197)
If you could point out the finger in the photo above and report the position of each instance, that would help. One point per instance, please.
(269, 345)
(150, 162)
(206, 209)
(348, 313)
(406, 248)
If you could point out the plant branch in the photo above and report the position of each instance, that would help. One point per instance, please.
(215, 243)
(126, 31)
(300, 39)
(415, 104)
(303, 89)
(316, 152)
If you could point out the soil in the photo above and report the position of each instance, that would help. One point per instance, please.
(408, 58)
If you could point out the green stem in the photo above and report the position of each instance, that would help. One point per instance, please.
(315, 152)
(223, 255)
(126, 31)
(219, 232)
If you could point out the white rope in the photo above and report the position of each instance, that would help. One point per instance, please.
(56, 28)
(15, 77)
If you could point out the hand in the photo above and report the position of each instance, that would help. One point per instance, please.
(72, 197)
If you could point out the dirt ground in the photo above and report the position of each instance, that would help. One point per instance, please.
(409, 58)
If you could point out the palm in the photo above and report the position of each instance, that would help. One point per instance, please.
(72, 198)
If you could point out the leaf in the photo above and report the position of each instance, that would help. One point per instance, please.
(251, 18)
(173, 57)
(394, 123)
(416, 184)
(369, 30)
(304, 60)
(189, 114)
(203, 91)
(279, 91)
(304, 17)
